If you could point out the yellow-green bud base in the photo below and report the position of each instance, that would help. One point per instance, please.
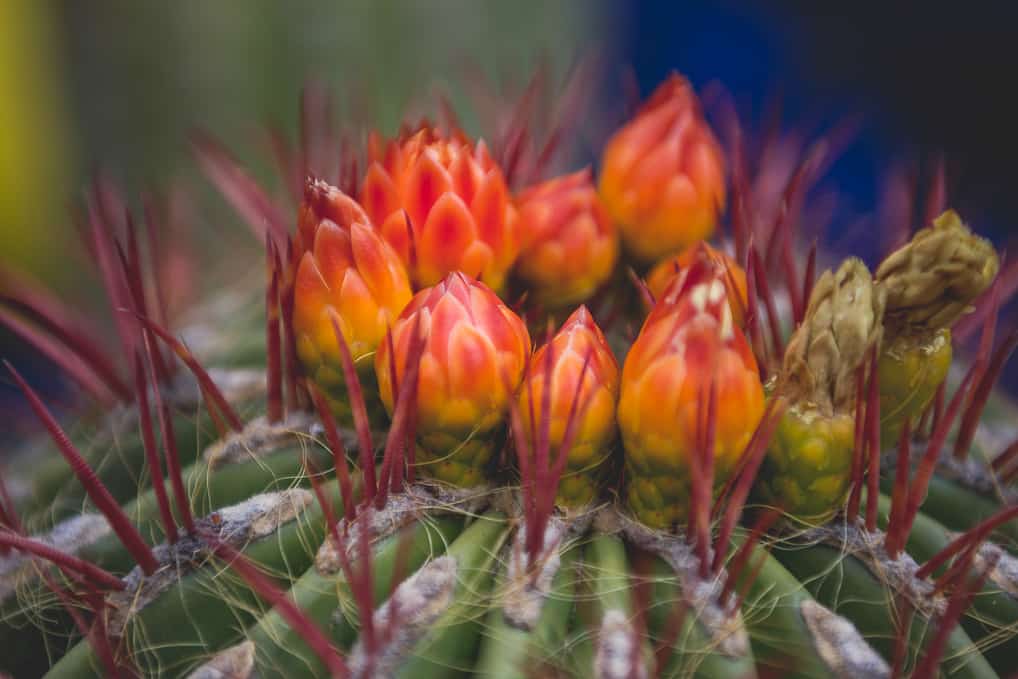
(658, 492)
(460, 461)
(583, 476)
(808, 465)
(329, 378)
(910, 370)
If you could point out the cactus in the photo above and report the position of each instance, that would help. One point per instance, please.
(334, 476)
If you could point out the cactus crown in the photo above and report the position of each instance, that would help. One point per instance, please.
(356, 510)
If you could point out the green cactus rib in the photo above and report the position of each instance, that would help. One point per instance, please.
(449, 647)
(960, 508)
(280, 652)
(604, 587)
(509, 652)
(844, 584)
(606, 575)
(210, 489)
(165, 636)
(991, 619)
(692, 652)
(118, 458)
(778, 632)
(34, 635)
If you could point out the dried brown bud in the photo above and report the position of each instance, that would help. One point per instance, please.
(931, 281)
(842, 323)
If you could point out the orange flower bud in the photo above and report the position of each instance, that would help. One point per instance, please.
(473, 360)
(456, 199)
(687, 341)
(324, 201)
(348, 273)
(568, 243)
(734, 276)
(596, 388)
(662, 174)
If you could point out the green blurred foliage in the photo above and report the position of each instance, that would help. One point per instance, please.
(119, 83)
(36, 152)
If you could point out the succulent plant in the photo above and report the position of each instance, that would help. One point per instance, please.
(334, 476)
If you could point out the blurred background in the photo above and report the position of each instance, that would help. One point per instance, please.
(118, 84)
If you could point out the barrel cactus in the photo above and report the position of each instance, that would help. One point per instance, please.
(441, 439)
